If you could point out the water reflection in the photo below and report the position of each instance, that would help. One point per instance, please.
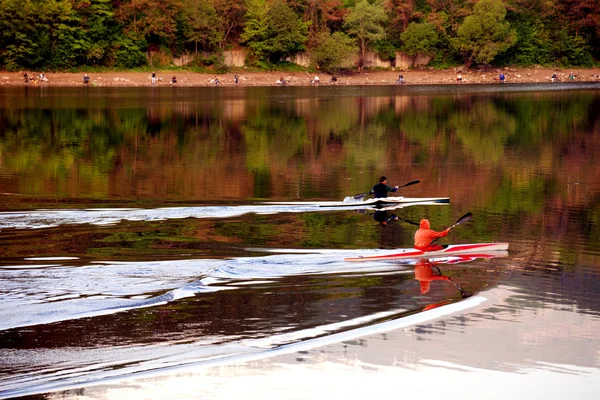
(200, 275)
(178, 145)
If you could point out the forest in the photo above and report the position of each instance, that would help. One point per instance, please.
(126, 34)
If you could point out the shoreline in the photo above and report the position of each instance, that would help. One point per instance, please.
(365, 78)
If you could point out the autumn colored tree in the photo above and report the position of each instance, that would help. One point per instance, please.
(323, 15)
(231, 16)
(60, 34)
(154, 21)
(400, 14)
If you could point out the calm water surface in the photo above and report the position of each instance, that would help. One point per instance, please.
(139, 259)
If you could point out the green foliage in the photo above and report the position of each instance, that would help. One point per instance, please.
(385, 49)
(273, 32)
(333, 51)
(571, 50)
(70, 34)
(419, 38)
(484, 34)
(256, 29)
(288, 32)
(128, 54)
(202, 24)
(366, 24)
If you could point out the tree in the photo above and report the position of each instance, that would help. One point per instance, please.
(203, 25)
(231, 13)
(274, 31)
(256, 29)
(152, 20)
(101, 30)
(484, 34)
(41, 37)
(419, 38)
(400, 13)
(366, 23)
(324, 15)
(333, 51)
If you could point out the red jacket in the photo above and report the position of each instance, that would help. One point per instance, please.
(424, 236)
(424, 274)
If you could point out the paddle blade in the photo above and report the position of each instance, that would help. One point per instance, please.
(410, 183)
(465, 218)
(360, 196)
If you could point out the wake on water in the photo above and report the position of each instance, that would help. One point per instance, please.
(38, 296)
(40, 219)
(33, 295)
(53, 291)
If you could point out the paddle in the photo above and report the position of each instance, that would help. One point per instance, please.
(465, 218)
(361, 196)
(463, 293)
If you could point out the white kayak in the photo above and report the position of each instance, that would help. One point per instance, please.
(477, 249)
(350, 202)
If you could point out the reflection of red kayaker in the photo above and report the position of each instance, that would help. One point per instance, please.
(424, 274)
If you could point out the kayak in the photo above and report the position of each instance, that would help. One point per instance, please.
(473, 250)
(361, 203)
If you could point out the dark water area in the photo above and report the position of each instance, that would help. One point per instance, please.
(138, 246)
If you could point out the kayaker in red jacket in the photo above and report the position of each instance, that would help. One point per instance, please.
(424, 274)
(424, 236)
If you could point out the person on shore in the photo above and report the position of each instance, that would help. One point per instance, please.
(174, 80)
(86, 79)
(459, 78)
(316, 80)
(236, 79)
(502, 77)
(381, 189)
(26, 77)
(571, 76)
(554, 77)
(400, 80)
(333, 79)
(153, 78)
(424, 236)
(43, 78)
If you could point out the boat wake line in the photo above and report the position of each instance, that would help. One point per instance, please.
(40, 219)
(62, 293)
(188, 358)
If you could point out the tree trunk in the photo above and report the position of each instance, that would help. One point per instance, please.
(361, 62)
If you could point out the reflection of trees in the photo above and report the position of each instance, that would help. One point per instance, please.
(212, 145)
(273, 139)
(483, 129)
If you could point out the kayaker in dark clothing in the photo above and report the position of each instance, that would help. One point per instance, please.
(381, 189)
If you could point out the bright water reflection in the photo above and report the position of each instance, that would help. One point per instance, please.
(133, 239)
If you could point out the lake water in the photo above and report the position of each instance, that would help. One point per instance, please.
(139, 258)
